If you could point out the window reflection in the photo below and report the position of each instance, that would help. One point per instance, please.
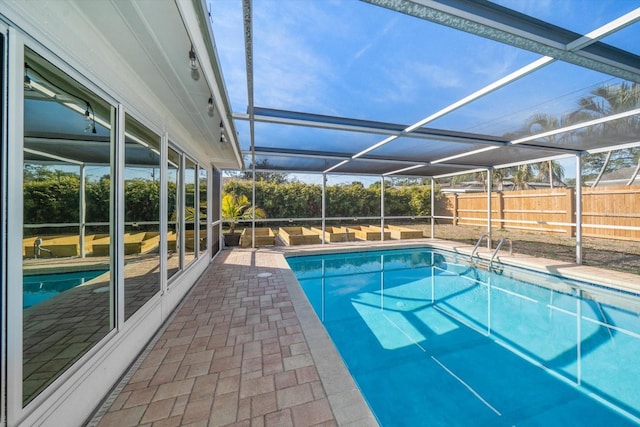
(67, 291)
(142, 215)
(202, 192)
(215, 211)
(190, 211)
(173, 201)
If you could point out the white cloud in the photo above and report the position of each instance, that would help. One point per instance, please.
(290, 69)
(372, 41)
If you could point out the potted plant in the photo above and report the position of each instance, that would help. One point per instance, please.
(234, 209)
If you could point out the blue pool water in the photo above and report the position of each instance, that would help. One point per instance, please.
(431, 340)
(38, 288)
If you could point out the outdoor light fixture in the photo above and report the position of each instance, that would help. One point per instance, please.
(210, 107)
(193, 64)
(223, 139)
(89, 114)
(31, 85)
(221, 127)
(27, 80)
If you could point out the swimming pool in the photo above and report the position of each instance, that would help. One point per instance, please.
(41, 287)
(431, 340)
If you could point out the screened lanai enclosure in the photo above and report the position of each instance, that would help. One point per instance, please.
(495, 116)
(136, 134)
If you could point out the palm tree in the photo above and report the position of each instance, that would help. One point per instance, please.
(538, 123)
(236, 208)
(521, 176)
(605, 101)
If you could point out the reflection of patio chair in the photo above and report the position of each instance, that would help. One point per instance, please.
(57, 246)
(37, 248)
(134, 243)
(172, 241)
(189, 236)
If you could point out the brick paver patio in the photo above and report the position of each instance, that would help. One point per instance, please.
(243, 349)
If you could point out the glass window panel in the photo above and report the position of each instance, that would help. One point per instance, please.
(174, 232)
(142, 215)
(3, 210)
(214, 215)
(203, 213)
(190, 209)
(67, 292)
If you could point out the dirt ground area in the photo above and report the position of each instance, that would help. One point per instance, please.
(619, 255)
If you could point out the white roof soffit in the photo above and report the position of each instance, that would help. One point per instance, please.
(197, 23)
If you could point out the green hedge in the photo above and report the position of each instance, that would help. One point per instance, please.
(56, 199)
(298, 200)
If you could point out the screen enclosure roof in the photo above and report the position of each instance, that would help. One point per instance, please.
(428, 88)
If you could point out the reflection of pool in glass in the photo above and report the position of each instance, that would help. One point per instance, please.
(41, 287)
(432, 340)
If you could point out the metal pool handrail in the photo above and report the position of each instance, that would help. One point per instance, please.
(475, 248)
(504, 239)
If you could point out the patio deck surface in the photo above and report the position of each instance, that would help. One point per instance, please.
(245, 348)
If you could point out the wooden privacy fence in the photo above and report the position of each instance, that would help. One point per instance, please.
(607, 212)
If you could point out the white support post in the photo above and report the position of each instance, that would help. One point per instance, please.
(220, 222)
(578, 218)
(253, 202)
(117, 218)
(164, 215)
(433, 208)
(382, 208)
(324, 205)
(83, 208)
(489, 174)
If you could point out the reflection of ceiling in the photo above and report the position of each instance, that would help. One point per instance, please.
(134, 54)
(434, 146)
(95, 151)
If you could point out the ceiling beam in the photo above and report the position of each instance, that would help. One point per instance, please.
(307, 154)
(294, 118)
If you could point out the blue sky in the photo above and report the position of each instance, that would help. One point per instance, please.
(352, 59)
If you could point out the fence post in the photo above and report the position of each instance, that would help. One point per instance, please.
(500, 209)
(570, 203)
(455, 208)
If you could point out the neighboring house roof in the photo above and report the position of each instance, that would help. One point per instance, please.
(617, 177)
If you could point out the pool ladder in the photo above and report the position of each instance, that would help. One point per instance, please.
(475, 248)
(500, 243)
(495, 252)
